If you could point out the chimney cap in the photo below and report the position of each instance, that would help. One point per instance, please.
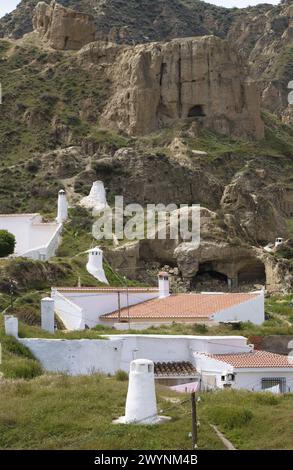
(61, 191)
(163, 274)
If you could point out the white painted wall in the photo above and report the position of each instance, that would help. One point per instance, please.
(252, 310)
(83, 356)
(34, 239)
(245, 378)
(76, 357)
(92, 305)
(70, 313)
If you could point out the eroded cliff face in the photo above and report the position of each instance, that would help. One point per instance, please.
(265, 38)
(62, 28)
(198, 79)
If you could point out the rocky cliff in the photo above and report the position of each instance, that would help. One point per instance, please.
(62, 28)
(201, 80)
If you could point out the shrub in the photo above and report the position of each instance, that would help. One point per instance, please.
(231, 417)
(20, 368)
(7, 243)
(121, 376)
(200, 328)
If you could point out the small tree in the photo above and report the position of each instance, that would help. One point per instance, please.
(7, 243)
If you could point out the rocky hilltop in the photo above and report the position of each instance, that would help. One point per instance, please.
(63, 28)
(186, 113)
(262, 34)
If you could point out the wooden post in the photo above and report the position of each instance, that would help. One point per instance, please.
(194, 421)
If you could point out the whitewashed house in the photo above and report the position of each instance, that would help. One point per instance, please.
(141, 308)
(34, 238)
(211, 362)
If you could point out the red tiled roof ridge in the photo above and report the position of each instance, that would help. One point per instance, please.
(184, 305)
(253, 359)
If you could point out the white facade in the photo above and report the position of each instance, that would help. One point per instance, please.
(95, 265)
(218, 374)
(252, 310)
(117, 351)
(34, 238)
(80, 307)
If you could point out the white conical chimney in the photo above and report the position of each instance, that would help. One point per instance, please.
(62, 213)
(141, 403)
(96, 200)
(164, 285)
(95, 264)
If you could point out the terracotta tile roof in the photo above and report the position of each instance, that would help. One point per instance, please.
(174, 369)
(181, 306)
(255, 359)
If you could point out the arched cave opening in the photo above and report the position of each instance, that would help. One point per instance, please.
(196, 111)
(252, 271)
(207, 278)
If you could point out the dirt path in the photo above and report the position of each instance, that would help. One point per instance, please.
(226, 442)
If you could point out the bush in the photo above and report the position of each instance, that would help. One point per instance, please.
(7, 243)
(231, 417)
(199, 328)
(121, 376)
(20, 368)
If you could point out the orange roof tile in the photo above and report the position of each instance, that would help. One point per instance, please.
(182, 306)
(255, 359)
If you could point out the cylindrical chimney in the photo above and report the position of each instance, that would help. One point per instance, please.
(62, 213)
(141, 403)
(164, 285)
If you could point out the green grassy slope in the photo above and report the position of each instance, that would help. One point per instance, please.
(77, 413)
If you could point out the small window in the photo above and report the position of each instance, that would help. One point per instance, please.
(269, 382)
(223, 378)
(150, 368)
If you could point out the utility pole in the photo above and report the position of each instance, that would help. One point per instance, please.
(11, 291)
(194, 421)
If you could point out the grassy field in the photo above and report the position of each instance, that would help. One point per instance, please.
(61, 412)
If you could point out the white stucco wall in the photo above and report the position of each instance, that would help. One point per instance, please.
(95, 304)
(34, 239)
(252, 310)
(245, 378)
(70, 313)
(117, 351)
(76, 357)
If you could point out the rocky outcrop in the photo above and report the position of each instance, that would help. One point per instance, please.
(63, 28)
(255, 204)
(196, 79)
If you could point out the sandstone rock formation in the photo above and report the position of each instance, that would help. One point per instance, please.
(63, 28)
(197, 79)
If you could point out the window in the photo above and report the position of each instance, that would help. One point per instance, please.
(270, 382)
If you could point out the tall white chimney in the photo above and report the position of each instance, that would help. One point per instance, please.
(95, 264)
(164, 285)
(62, 213)
(141, 403)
